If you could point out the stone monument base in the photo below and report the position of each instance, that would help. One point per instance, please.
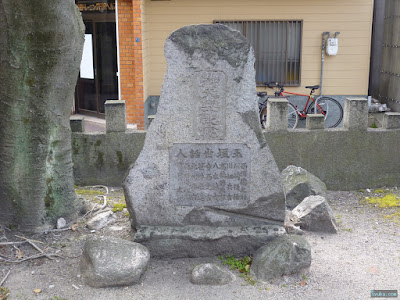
(205, 241)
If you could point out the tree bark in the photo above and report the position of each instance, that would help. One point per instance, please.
(40, 51)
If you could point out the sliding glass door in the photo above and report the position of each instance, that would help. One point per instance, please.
(98, 80)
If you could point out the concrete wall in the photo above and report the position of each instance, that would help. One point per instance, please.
(345, 74)
(343, 159)
(103, 158)
(347, 158)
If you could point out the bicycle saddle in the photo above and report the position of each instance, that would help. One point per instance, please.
(261, 94)
(313, 87)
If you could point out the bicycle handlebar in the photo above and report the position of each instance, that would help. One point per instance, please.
(274, 84)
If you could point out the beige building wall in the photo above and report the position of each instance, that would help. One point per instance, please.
(344, 74)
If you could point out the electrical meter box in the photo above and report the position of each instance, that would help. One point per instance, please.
(331, 46)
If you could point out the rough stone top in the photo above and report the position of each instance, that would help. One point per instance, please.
(210, 40)
(357, 99)
(76, 118)
(278, 100)
(114, 102)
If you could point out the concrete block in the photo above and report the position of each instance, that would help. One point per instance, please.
(277, 110)
(77, 123)
(315, 121)
(391, 120)
(115, 116)
(356, 113)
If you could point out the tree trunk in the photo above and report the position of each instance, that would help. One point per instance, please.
(40, 52)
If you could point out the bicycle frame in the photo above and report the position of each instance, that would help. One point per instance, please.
(303, 113)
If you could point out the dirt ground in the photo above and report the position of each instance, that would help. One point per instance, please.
(363, 256)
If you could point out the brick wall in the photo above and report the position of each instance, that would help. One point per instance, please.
(131, 62)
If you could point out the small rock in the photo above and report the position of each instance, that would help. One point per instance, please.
(61, 223)
(86, 206)
(290, 227)
(101, 220)
(110, 262)
(314, 214)
(51, 286)
(211, 274)
(285, 255)
(293, 229)
(300, 184)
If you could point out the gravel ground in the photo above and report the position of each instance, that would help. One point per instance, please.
(363, 256)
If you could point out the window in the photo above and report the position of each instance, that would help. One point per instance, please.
(276, 47)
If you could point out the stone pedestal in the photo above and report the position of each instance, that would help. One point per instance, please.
(355, 113)
(391, 120)
(115, 115)
(203, 241)
(315, 121)
(77, 123)
(277, 111)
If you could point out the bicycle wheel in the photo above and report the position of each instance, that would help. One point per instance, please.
(329, 107)
(263, 115)
(293, 117)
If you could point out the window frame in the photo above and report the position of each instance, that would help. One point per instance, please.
(297, 75)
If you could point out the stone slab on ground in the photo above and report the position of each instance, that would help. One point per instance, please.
(285, 255)
(314, 214)
(211, 274)
(205, 160)
(204, 241)
(110, 262)
(299, 184)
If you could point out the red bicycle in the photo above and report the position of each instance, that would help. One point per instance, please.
(329, 107)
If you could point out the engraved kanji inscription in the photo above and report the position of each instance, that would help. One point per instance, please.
(209, 174)
(209, 117)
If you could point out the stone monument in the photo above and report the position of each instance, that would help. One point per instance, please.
(206, 182)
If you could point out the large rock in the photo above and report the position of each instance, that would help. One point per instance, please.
(113, 262)
(314, 214)
(285, 255)
(205, 161)
(300, 184)
(211, 274)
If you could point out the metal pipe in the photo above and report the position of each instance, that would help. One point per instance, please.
(322, 60)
